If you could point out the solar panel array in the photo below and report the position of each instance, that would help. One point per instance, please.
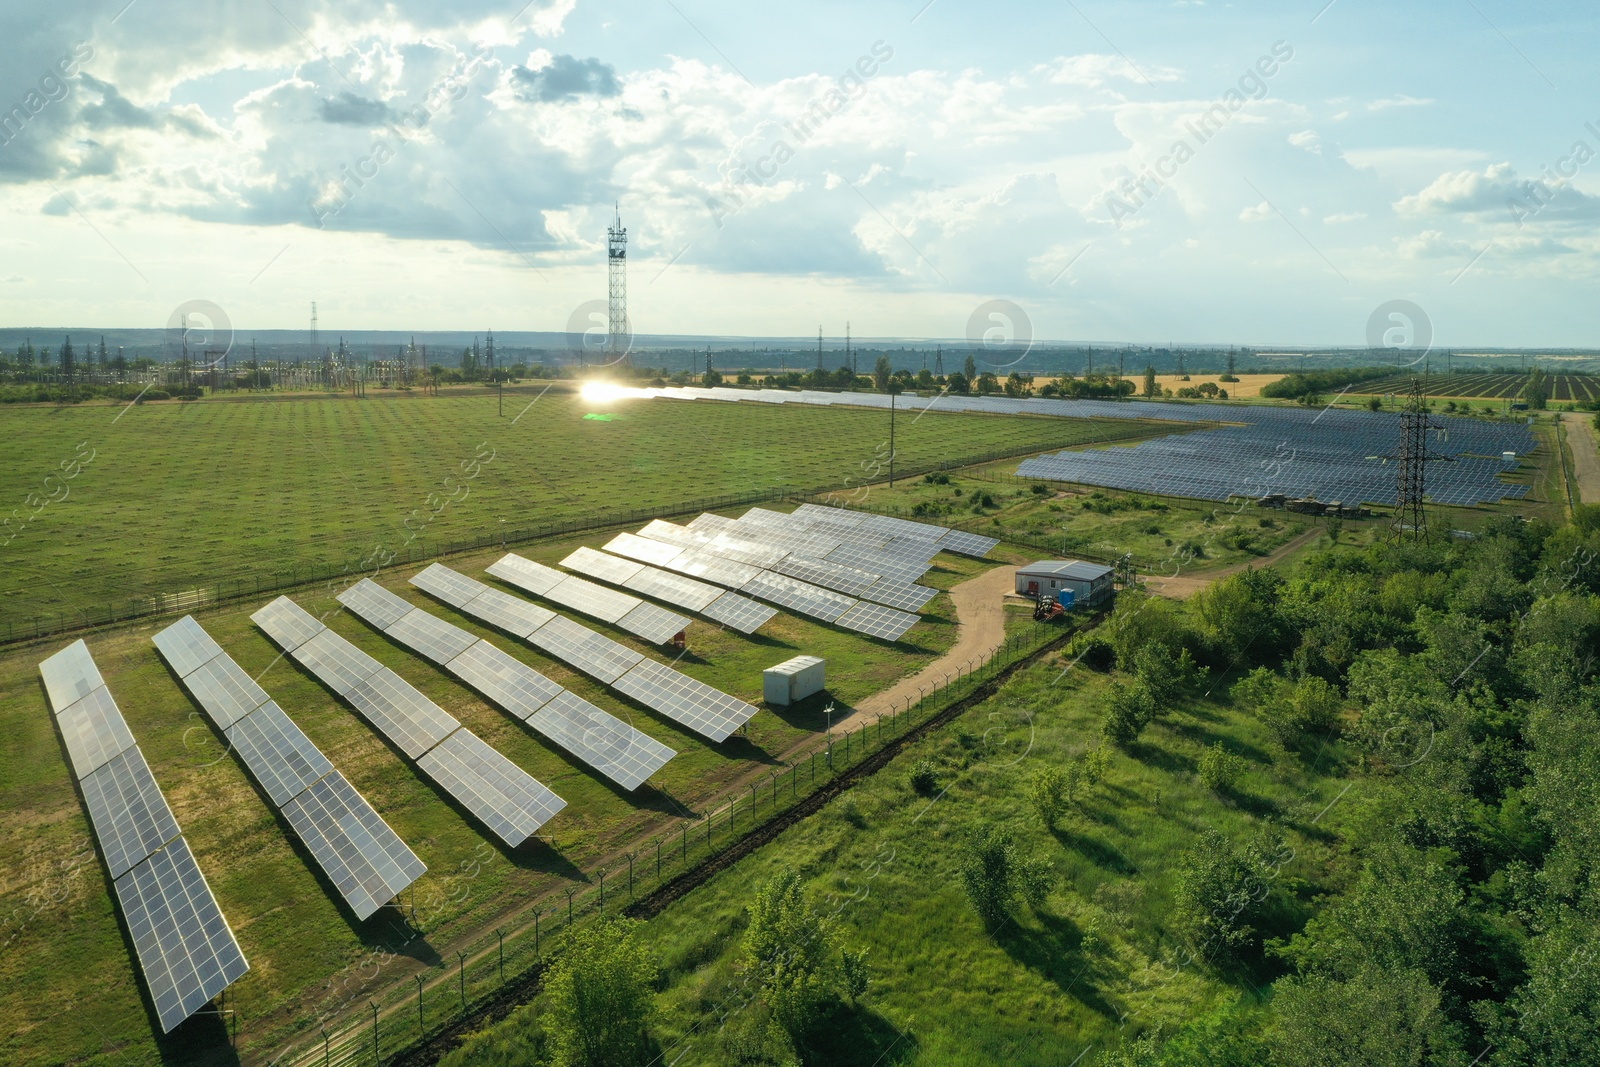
(707, 711)
(364, 859)
(732, 610)
(186, 951)
(504, 797)
(1333, 454)
(700, 552)
(628, 612)
(612, 747)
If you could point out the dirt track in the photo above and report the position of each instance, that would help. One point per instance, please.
(1585, 460)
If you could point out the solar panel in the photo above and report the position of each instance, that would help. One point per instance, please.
(601, 566)
(968, 544)
(504, 797)
(739, 612)
(278, 753)
(604, 604)
(699, 564)
(94, 731)
(656, 553)
(130, 816)
(570, 721)
(287, 623)
(361, 855)
(851, 581)
(504, 679)
(185, 646)
(653, 623)
(398, 711)
(580, 647)
(69, 676)
(906, 596)
(374, 603)
(707, 711)
(798, 596)
(619, 751)
(440, 581)
(677, 589)
(340, 665)
(431, 636)
(536, 578)
(876, 620)
(186, 951)
(224, 690)
(512, 614)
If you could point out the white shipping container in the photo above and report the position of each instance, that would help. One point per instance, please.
(793, 680)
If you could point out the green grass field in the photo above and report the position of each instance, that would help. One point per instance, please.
(1094, 965)
(108, 503)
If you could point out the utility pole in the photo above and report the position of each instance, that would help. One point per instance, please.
(892, 391)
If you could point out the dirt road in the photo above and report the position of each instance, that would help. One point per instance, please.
(1184, 586)
(1585, 460)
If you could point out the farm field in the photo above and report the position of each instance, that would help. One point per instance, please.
(1248, 387)
(1090, 967)
(1580, 388)
(75, 995)
(109, 504)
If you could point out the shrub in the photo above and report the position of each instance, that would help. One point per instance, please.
(924, 777)
(996, 876)
(1129, 710)
(936, 478)
(1221, 769)
(1048, 790)
(1040, 489)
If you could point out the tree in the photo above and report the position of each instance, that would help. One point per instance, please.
(969, 368)
(793, 951)
(996, 876)
(959, 383)
(68, 359)
(1219, 890)
(711, 377)
(601, 997)
(1377, 1018)
(881, 372)
(1536, 391)
(1151, 389)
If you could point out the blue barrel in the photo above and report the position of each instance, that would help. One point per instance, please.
(1066, 596)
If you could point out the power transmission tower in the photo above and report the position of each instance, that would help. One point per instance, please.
(938, 360)
(617, 342)
(1411, 479)
(819, 348)
(314, 341)
(849, 354)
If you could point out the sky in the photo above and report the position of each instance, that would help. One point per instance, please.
(1194, 172)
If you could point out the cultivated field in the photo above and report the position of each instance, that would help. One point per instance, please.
(1488, 386)
(1247, 387)
(111, 505)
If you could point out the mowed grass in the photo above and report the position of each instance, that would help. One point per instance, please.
(1097, 963)
(74, 991)
(171, 497)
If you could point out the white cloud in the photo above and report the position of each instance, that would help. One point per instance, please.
(1256, 212)
(1400, 100)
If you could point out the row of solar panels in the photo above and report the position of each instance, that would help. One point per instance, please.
(623, 754)
(1329, 454)
(359, 852)
(186, 951)
(700, 707)
(504, 797)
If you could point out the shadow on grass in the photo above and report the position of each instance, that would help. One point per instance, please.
(1207, 738)
(1094, 850)
(1055, 951)
(857, 1035)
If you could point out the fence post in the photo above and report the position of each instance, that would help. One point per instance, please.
(422, 1025)
(377, 1047)
(501, 934)
(461, 958)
